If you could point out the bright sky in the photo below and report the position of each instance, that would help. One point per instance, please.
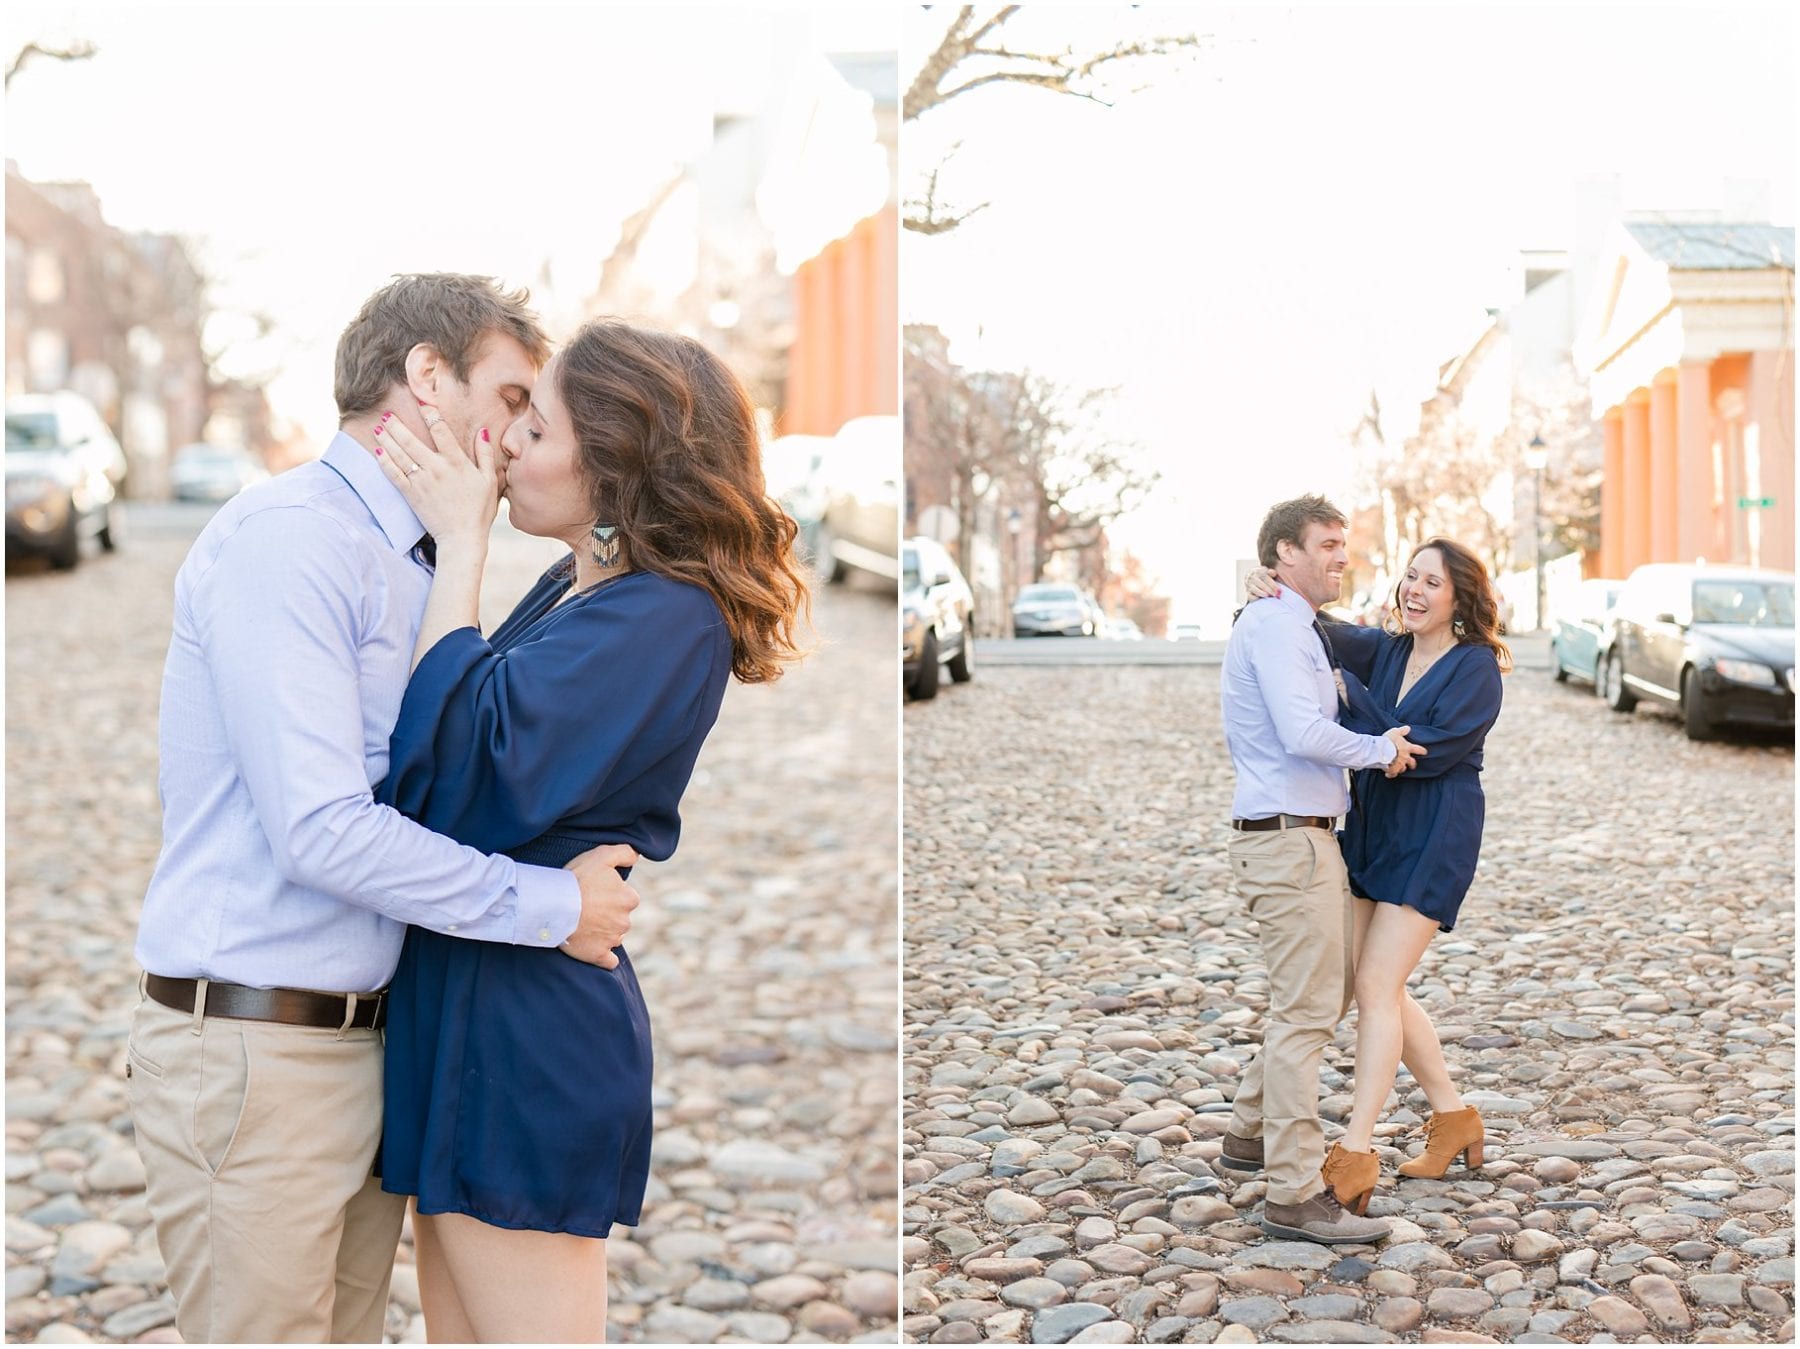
(316, 150)
(1323, 201)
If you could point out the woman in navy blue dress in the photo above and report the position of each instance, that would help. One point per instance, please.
(518, 1078)
(1412, 840)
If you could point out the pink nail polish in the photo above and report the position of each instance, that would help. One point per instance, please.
(484, 434)
(378, 451)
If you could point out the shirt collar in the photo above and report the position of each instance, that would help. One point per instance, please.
(357, 467)
(1288, 596)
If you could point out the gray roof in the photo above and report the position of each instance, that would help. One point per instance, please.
(1707, 247)
(873, 73)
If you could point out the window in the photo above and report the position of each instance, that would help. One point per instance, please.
(44, 281)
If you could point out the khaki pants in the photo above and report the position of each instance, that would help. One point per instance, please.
(1299, 893)
(258, 1141)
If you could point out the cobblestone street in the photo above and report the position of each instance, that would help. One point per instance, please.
(1083, 989)
(765, 949)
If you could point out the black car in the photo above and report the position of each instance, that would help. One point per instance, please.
(1716, 643)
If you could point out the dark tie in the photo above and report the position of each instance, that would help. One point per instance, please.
(426, 551)
(1325, 642)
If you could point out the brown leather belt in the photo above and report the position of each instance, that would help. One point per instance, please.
(1287, 822)
(287, 1006)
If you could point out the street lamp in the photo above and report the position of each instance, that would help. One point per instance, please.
(1537, 454)
(1015, 525)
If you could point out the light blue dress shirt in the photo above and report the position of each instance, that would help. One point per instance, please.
(295, 618)
(1280, 703)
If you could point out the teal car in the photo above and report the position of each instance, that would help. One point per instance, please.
(1575, 641)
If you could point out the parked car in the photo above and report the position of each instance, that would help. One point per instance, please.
(937, 630)
(1096, 614)
(203, 472)
(1052, 609)
(1184, 632)
(859, 518)
(64, 470)
(1576, 639)
(791, 476)
(1717, 643)
(1122, 629)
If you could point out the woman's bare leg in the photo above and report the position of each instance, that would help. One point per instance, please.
(1396, 938)
(1420, 1051)
(1363, 910)
(523, 1287)
(1423, 1056)
(445, 1320)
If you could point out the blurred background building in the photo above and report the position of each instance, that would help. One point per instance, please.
(776, 245)
(753, 207)
(1689, 348)
(1632, 402)
(117, 317)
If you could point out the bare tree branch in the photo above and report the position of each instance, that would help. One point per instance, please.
(927, 215)
(1081, 475)
(1055, 83)
(1450, 479)
(612, 290)
(972, 55)
(923, 218)
(79, 50)
(1060, 72)
(960, 38)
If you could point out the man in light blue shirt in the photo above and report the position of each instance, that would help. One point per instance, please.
(1280, 699)
(275, 915)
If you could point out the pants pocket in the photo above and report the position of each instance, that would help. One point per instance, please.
(140, 1064)
(1312, 856)
(1266, 864)
(223, 1095)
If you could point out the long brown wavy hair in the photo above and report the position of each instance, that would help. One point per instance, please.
(668, 444)
(1473, 603)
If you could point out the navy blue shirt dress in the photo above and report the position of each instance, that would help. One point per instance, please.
(1415, 839)
(518, 1078)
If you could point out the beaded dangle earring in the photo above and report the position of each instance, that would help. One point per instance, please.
(606, 545)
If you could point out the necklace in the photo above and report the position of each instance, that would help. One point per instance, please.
(1416, 667)
(575, 591)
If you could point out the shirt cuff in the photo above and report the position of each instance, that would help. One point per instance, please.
(1386, 751)
(549, 906)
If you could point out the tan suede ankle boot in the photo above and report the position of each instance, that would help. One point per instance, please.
(1446, 1135)
(1352, 1176)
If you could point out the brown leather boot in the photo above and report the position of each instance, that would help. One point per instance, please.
(1352, 1176)
(1321, 1219)
(1241, 1154)
(1446, 1135)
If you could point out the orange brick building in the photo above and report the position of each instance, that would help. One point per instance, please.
(1690, 352)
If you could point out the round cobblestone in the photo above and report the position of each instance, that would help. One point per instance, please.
(1617, 990)
(765, 948)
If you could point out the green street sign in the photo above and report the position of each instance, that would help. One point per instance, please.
(1755, 503)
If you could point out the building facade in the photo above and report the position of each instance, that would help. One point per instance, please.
(1688, 347)
(113, 316)
(776, 245)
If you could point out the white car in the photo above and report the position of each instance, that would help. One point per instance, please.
(1122, 630)
(857, 496)
(1054, 609)
(64, 469)
(203, 472)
